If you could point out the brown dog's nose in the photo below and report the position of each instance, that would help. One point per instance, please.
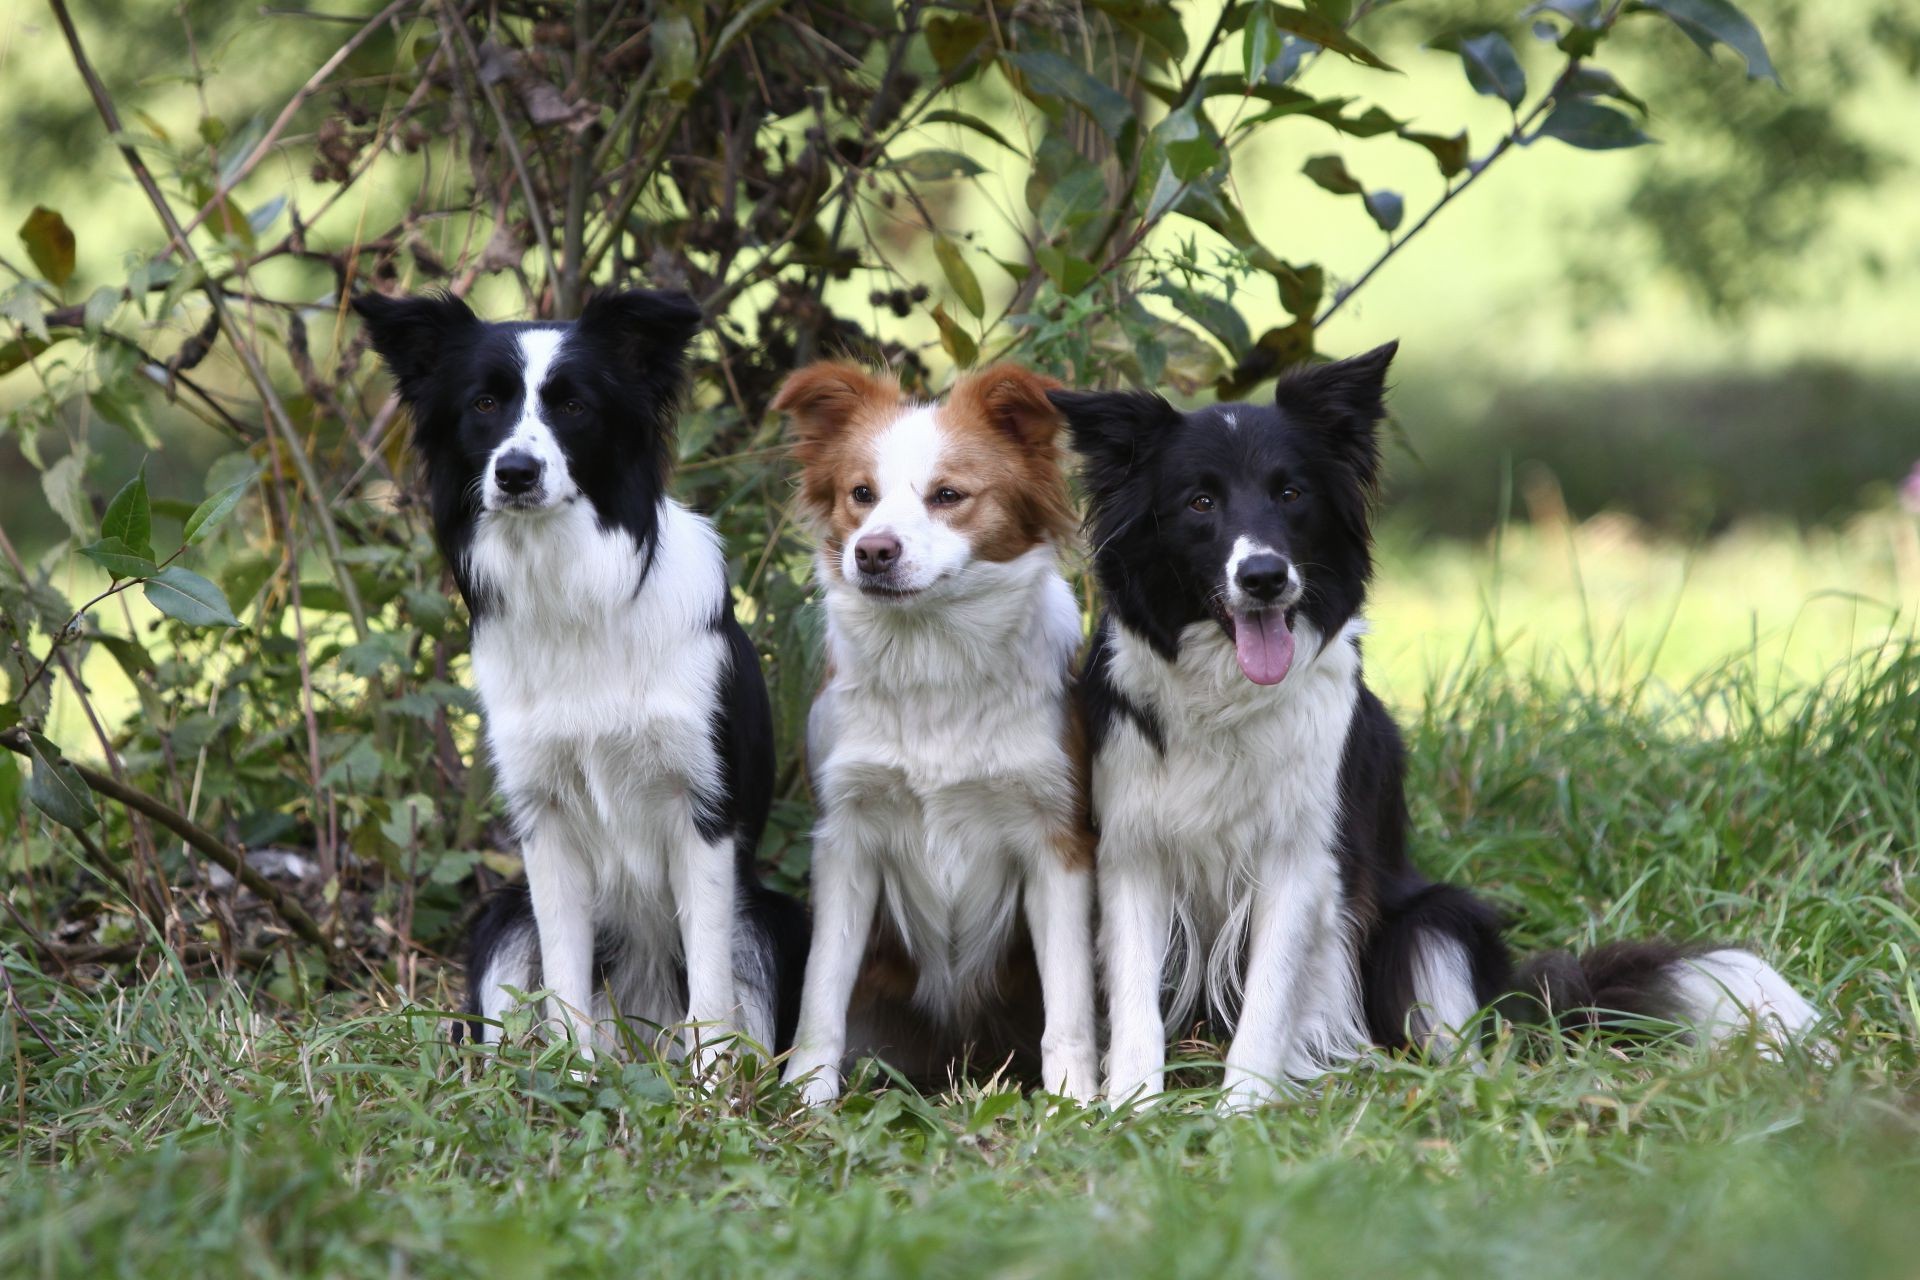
(876, 552)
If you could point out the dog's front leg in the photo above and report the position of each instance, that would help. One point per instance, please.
(704, 898)
(1288, 910)
(1135, 914)
(562, 890)
(1059, 902)
(845, 889)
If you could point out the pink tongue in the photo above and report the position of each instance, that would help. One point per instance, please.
(1263, 644)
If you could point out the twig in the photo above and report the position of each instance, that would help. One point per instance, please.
(200, 838)
(226, 185)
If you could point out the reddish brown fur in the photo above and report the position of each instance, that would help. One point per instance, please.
(999, 447)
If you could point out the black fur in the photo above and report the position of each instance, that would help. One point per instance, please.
(1299, 476)
(624, 360)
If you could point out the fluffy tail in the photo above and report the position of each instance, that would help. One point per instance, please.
(1716, 992)
(1437, 958)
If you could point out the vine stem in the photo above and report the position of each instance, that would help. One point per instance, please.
(1506, 144)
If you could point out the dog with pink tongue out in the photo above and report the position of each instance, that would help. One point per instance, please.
(1246, 785)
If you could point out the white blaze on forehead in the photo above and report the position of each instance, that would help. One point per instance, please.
(904, 455)
(538, 349)
(906, 459)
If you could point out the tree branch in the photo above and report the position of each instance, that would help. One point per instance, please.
(199, 837)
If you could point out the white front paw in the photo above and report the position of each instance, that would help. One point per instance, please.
(1135, 1072)
(1244, 1091)
(819, 1083)
(1071, 1075)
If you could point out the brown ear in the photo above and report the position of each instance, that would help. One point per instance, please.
(823, 398)
(1014, 399)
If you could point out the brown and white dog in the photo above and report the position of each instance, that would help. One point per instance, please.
(952, 863)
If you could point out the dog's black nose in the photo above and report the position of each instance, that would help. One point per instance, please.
(1263, 577)
(876, 552)
(517, 472)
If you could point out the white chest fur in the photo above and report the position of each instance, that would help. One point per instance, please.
(598, 685)
(1247, 790)
(939, 759)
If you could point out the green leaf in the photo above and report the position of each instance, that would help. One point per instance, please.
(208, 515)
(1589, 81)
(99, 309)
(937, 166)
(1051, 76)
(64, 484)
(966, 121)
(1711, 22)
(10, 783)
(1260, 43)
(1331, 173)
(1214, 314)
(1449, 153)
(1069, 272)
(56, 788)
(1583, 123)
(1277, 349)
(49, 242)
(128, 518)
(408, 821)
(958, 342)
(1191, 145)
(185, 595)
(125, 409)
(1327, 34)
(960, 276)
(18, 351)
(1491, 65)
(120, 560)
(953, 40)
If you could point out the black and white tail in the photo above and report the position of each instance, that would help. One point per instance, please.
(1437, 958)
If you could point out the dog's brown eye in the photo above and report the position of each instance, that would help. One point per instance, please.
(862, 494)
(573, 408)
(485, 404)
(1201, 502)
(945, 497)
(1289, 494)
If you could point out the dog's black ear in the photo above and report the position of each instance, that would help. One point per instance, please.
(1347, 391)
(1346, 399)
(412, 334)
(647, 325)
(1114, 428)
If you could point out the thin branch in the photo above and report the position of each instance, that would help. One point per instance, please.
(199, 837)
(272, 135)
(1506, 144)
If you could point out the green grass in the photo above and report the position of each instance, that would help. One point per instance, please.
(176, 1128)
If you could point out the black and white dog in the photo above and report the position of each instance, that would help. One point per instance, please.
(625, 709)
(1247, 786)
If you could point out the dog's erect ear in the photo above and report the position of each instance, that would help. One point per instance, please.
(1345, 399)
(1346, 391)
(1114, 429)
(648, 326)
(412, 334)
(1013, 399)
(823, 398)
